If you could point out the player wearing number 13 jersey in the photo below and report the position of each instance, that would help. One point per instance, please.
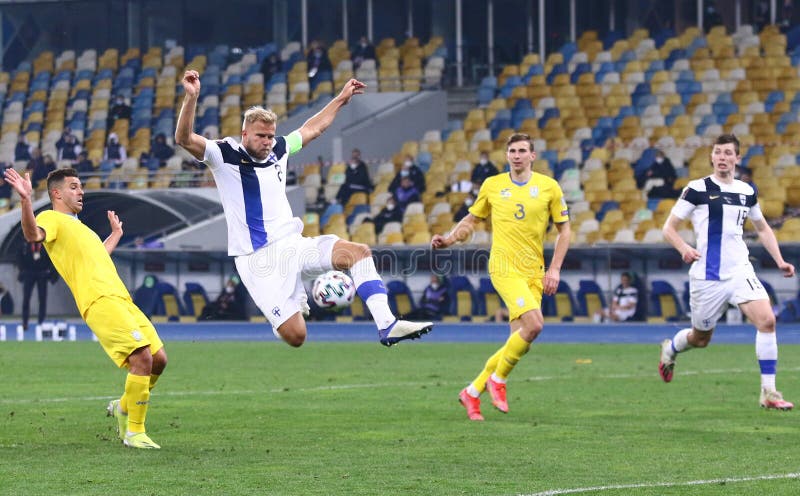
(521, 204)
(721, 273)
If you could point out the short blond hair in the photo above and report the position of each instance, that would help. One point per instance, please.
(256, 113)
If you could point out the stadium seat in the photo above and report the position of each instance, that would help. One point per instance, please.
(401, 300)
(463, 298)
(195, 298)
(488, 299)
(664, 303)
(146, 296)
(590, 299)
(168, 306)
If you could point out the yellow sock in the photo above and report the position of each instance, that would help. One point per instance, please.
(153, 380)
(123, 404)
(138, 392)
(491, 364)
(514, 349)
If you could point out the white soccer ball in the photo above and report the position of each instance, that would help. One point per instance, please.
(333, 290)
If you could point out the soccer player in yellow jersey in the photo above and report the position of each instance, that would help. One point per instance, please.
(521, 204)
(84, 261)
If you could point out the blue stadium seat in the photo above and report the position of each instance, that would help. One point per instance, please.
(463, 298)
(401, 300)
(664, 302)
(195, 298)
(590, 298)
(564, 300)
(488, 299)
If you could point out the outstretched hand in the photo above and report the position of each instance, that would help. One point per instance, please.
(352, 87)
(114, 222)
(22, 185)
(191, 82)
(438, 242)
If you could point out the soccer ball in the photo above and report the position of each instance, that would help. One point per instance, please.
(333, 290)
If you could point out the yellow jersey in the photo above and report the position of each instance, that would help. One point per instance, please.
(520, 215)
(80, 257)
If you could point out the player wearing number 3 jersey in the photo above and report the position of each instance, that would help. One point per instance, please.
(721, 273)
(521, 204)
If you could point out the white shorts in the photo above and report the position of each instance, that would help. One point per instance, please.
(710, 299)
(273, 274)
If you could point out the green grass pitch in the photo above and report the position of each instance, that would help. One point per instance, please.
(359, 419)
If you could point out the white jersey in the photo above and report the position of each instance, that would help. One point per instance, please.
(718, 212)
(253, 193)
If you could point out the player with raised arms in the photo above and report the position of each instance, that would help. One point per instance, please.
(270, 252)
(84, 262)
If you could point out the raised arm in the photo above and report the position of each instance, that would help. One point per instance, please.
(23, 187)
(184, 131)
(116, 232)
(320, 121)
(461, 232)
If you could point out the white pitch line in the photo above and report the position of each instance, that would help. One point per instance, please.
(644, 485)
(346, 387)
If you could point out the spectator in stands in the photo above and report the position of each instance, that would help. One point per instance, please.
(623, 304)
(40, 167)
(229, 305)
(786, 14)
(115, 153)
(5, 188)
(6, 301)
(463, 210)
(660, 178)
(36, 161)
(317, 61)
(120, 110)
(35, 270)
(22, 150)
(270, 66)
(67, 146)
(161, 150)
(435, 300)
(761, 15)
(711, 16)
(363, 51)
(406, 193)
(410, 170)
(483, 169)
(356, 178)
(83, 165)
(744, 174)
(389, 213)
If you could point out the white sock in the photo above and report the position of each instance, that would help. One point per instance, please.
(371, 289)
(497, 379)
(680, 342)
(473, 391)
(767, 354)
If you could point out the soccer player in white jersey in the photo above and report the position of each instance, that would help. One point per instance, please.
(721, 273)
(270, 252)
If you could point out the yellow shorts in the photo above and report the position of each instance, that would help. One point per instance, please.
(519, 294)
(121, 328)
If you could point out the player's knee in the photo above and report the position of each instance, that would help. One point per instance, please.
(700, 339)
(159, 362)
(765, 323)
(295, 340)
(361, 251)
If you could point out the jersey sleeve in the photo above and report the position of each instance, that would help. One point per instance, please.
(481, 207)
(294, 142)
(687, 202)
(213, 155)
(558, 206)
(49, 223)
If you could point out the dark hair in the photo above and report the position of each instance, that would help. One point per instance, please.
(626, 274)
(519, 137)
(724, 139)
(56, 177)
